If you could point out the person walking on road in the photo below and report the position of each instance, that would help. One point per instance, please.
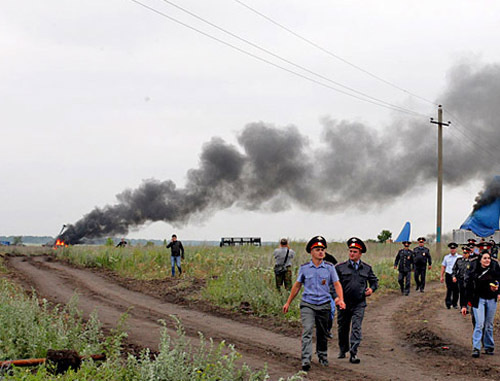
(317, 276)
(358, 282)
(422, 262)
(483, 294)
(404, 264)
(283, 265)
(177, 252)
(446, 275)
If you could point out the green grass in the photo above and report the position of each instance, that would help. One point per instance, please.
(31, 326)
(235, 274)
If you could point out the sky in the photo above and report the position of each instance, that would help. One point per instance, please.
(96, 97)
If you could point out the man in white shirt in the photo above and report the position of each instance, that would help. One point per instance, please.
(446, 271)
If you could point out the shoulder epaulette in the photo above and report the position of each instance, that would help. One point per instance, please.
(303, 264)
(328, 263)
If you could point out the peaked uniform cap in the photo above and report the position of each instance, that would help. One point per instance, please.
(317, 241)
(452, 245)
(356, 243)
(421, 239)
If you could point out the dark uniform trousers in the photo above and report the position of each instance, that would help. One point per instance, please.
(420, 277)
(461, 292)
(451, 291)
(350, 319)
(404, 281)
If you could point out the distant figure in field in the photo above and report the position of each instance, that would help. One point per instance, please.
(122, 243)
(177, 252)
(404, 264)
(358, 282)
(446, 271)
(421, 261)
(283, 265)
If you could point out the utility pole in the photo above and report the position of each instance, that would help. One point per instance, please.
(439, 218)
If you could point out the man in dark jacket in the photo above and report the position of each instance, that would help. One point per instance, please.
(358, 281)
(177, 252)
(460, 268)
(422, 261)
(404, 264)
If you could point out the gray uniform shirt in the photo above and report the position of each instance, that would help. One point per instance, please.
(280, 254)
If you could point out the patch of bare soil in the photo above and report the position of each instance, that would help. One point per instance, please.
(442, 337)
(186, 291)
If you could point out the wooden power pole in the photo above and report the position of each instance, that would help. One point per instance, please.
(439, 218)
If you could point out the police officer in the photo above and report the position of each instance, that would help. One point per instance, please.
(358, 282)
(475, 252)
(447, 268)
(404, 263)
(317, 276)
(494, 249)
(422, 261)
(459, 271)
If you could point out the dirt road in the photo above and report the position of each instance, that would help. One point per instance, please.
(385, 353)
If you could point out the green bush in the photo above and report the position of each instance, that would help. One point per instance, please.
(31, 326)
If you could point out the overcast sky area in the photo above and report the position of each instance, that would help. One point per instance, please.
(98, 96)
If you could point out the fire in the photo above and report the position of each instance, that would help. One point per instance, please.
(60, 243)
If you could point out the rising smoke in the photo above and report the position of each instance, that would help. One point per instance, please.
(353, 165)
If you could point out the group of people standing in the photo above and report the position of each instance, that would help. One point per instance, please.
(417, 260)
(328, 284)
(472, 281)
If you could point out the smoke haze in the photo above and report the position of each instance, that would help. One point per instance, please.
(353, 165)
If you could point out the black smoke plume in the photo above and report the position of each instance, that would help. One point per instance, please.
(353, 165)
(489, 195)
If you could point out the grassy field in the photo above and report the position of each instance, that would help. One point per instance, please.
(31, 326)
(232, 275)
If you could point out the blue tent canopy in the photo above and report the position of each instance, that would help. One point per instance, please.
(405, 233)
(484, 221)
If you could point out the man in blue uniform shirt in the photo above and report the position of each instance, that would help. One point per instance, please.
(358, 282)
(317, 276)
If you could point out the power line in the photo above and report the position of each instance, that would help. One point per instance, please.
(284, 59)
(317, 46)
(377, 102)
(469, 137)
(477, 153)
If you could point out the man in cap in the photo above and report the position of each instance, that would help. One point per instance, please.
(404, 264)
(358, 282)
(283, 265)
(475, 252)
(447, 268)
(317, 276)
(459, 271)
(422, 261)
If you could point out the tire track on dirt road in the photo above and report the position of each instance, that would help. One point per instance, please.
(58, 282)
(383, 352)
